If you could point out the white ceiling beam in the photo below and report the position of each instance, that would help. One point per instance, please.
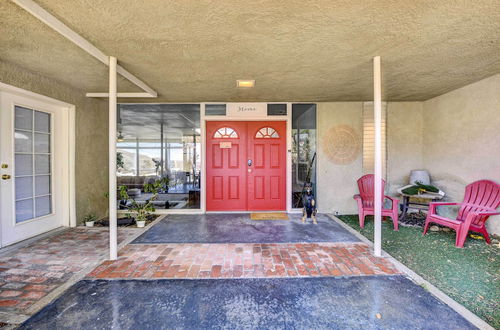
(123, 95)
(34, 9)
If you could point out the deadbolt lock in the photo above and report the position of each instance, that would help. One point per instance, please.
(5, 177)
(5, 166)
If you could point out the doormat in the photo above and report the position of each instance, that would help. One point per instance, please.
(269, 216)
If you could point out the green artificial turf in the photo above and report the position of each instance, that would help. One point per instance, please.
(469, 275)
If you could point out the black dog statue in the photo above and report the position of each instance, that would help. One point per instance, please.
(309, 209)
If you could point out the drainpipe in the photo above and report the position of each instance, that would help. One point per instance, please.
(377, 114)
(113, 242)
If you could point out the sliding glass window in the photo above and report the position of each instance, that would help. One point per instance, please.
(160, 143)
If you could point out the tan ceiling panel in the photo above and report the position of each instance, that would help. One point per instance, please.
(295, 50)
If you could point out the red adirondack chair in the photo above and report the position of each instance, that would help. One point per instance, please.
(480, 202)
(365, 199)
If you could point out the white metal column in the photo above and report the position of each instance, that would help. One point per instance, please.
(113, 241)
(377, 114)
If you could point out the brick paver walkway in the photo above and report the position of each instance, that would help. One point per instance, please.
(30, 273)
(243, 260)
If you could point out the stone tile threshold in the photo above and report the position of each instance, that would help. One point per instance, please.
(253, 260)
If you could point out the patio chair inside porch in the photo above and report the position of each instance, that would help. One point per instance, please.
(480, 202)
(365, 201)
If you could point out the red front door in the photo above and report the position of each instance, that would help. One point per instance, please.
(246, 166)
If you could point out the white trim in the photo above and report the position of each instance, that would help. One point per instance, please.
(23, 92)
(289, 196)
(136, 81)
(54, 23)
(72, 165)
(122, 95)
(45, 103)
(203, 181)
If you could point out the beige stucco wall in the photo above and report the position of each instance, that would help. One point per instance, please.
(404, 143)
(462, 138)
(91, 135)
(337, 182)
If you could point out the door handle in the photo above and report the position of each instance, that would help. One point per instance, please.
(5, 177)
(249, 162)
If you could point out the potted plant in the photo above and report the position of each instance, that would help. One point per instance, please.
(89, 220)
(140, 211)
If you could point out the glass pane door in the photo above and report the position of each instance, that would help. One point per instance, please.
(32, 164)
(303, 150)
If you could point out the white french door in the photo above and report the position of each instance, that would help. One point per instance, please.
(34, 149)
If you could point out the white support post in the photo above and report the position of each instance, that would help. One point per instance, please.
(113, 231)
(377, 114)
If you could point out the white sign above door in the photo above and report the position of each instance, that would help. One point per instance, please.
(247, 110)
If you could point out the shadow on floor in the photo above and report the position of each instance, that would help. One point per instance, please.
(238, 228)
(296, 303)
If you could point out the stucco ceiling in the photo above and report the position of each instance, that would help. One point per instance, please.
(296, 50)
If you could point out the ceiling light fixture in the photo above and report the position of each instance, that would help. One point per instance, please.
(245, 83)
(120, 137)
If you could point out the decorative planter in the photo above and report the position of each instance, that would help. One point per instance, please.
(89, 224)
(421, 176)
(141, 224)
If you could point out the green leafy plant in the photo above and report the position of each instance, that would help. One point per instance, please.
(157, 164)
(419, 188)
(141, 211)
(157, 186)
(90, 217)
(120, 163)
(123, 193)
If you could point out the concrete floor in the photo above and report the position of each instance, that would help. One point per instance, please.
(238, 228)
(293, 303)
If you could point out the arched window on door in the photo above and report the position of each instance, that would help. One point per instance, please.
(267, 133)
(225, 133)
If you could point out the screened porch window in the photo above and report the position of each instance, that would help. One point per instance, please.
(160, 143)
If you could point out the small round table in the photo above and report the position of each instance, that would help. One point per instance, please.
(407, 204)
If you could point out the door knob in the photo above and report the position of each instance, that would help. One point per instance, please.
(249, 162)
(5, 177)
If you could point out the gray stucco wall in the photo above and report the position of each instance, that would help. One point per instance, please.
(91, 135)
(462, 138)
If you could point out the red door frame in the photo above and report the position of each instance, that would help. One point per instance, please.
(234, 185)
